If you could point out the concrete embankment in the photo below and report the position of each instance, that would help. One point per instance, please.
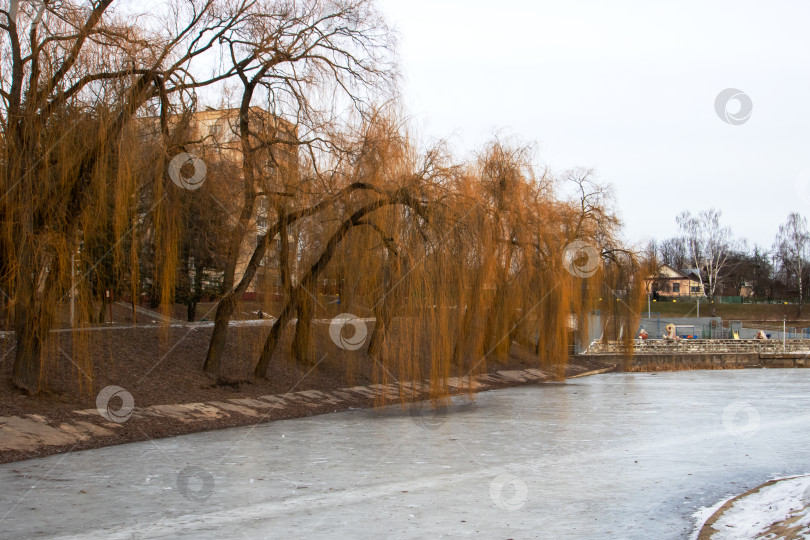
(718, 360)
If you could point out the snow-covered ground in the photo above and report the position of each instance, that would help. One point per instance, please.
(770, 512)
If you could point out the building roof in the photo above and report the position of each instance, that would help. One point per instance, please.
(665, 271)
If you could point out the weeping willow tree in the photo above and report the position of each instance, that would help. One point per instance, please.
(311, 63)
(455, 261)
(75, 76)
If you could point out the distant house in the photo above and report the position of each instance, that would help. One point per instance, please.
(672, 282)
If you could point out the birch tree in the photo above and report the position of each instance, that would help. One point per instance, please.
(792, 247)
(708, 244)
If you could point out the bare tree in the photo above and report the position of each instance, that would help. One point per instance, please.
(792, 247)
(708, 243)
(673, 252)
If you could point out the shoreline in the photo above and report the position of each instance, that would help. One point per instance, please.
(37, 434)
(34, 435)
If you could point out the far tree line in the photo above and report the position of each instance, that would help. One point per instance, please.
(729, 266)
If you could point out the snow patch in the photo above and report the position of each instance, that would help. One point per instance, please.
(752, 515)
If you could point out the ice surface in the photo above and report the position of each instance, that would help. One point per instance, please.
(609, 456)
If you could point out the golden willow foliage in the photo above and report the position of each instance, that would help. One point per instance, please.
(54, 202)
(455, 261)
(76, 79)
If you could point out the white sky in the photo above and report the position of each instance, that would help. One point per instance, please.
(627, 88)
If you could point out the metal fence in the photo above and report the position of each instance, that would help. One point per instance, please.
(703, 299)
(716, 328)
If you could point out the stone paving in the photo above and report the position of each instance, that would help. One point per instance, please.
(32, 431)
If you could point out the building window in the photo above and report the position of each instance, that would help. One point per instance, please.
(676, 288)
(213, 129)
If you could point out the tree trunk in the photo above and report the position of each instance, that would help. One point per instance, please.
(315, 270)
(383, 315)
(216, 347)
(273, 338)
(28, 355)
(467, 319)
(227, 305)
(383, 310)
(302, 342)
(101, 313)
(497, 343)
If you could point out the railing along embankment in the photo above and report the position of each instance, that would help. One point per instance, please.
(717, 352)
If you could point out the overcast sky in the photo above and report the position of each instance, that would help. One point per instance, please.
(629, 89)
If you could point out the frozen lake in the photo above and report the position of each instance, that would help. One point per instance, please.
(615, 455)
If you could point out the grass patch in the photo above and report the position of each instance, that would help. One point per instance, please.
(742, 312)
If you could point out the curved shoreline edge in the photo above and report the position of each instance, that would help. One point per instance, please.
(707, 529)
